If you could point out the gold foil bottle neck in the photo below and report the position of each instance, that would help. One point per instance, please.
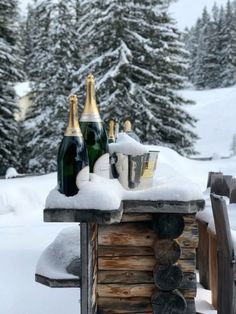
(127, 126)
(111, 126)
(90, 112)
(73, 128)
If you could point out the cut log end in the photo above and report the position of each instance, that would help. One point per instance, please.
(167, 277)
(168, 226)
(167, 251)
(168, 302)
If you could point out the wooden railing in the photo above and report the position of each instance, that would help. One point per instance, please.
(226, 292)
(215, 251)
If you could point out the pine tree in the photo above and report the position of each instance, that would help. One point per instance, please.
(212, 47)
(133, 49)
(10, 72)
(200, 75)
(228, 53)
(191, 40)
(27, 35)
(212, 58)
(51, 68)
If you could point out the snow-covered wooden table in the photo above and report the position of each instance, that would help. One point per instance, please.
(140, 256)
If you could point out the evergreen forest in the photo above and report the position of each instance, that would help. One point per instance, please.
(134, 50)
(211, 44)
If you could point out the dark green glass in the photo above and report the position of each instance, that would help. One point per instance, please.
(93, 131)
(72, 158)
(96, 140)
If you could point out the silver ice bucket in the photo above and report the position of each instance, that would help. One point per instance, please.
(134, 172)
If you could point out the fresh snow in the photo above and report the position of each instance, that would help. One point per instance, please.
(216, 111)
(11, 173)
(24, 235)
(59, 254)
(127, 145)
(23, 238)
(22, 89)
(93, 194)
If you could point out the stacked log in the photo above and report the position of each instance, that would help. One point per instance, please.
(146, 264)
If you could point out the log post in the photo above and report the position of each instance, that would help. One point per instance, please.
(167, 278)
(168, 302)
(168, 226)
(167, 251)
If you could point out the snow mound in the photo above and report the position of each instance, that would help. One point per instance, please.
(24, 195)
(98, 193)
(107, 194)
(11, 173)
(58, 256)
(127, 145)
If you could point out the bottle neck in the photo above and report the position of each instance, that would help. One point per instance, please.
(111, 126)
(73, 128)
(90, 112)
(116, 130)
(127, 126)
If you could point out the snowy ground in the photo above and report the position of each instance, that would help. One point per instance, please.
(24, 235)
(216, 111)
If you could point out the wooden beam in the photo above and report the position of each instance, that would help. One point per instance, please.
(127, 234)
(141, 206)
(139, 305)
(125, 291)
(104, 250)
(57, 283)
(82, 215)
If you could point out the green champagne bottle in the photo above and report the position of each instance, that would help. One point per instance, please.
(111, 135)
(72, 158)
(94, 132)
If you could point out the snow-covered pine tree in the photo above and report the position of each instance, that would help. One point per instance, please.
(10, 72)
(27, 34)
(53, 65)
(191, 39)
(213, 48)
(228, 43)
(200, 75)
(133, 49)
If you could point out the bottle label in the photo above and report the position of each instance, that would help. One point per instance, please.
(90, 117)
(102, 166)
(148, 169)
(73, 132)
(82, 177)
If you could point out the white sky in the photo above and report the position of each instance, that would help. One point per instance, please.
(185, 12)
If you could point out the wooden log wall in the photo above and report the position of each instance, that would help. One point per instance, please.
(146, 264)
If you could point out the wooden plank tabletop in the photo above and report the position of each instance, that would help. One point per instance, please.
(127, 206)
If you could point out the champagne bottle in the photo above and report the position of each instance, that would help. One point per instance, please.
(116, 130)
(72, 158)
(94, 132)
(128, 130)
(111, 135)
